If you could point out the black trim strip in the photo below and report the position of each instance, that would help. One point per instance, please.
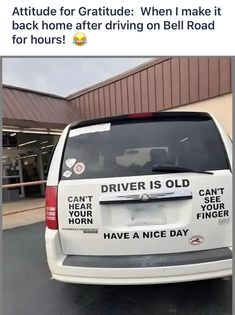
(143, 261)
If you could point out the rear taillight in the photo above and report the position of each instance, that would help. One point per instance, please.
(140, 115)
(51, 207)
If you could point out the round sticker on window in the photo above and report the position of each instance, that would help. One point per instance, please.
(70, 162)
(79, 168)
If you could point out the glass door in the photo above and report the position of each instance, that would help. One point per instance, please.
(11, 174)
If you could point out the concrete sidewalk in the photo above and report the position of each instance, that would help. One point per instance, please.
(23, 212)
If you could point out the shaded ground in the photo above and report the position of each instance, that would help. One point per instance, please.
(28, 288)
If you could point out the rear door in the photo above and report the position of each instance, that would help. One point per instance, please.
(145, 186)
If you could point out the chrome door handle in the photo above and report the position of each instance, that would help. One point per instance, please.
(147, 197)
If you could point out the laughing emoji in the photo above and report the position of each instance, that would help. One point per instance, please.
(79, 39)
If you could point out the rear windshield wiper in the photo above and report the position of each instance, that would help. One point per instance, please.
(177, 169)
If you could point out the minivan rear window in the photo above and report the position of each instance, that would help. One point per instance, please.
(133, 147)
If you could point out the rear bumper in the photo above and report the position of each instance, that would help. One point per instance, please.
(72, 269)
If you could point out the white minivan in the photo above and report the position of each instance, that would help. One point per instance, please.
(140, 199)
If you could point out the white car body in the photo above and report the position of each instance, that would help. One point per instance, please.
(173, 238)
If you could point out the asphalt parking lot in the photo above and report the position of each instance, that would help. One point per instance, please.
(28, 288)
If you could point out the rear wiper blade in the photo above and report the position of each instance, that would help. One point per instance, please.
(177, 169)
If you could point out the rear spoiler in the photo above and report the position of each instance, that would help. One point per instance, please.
(191, 116)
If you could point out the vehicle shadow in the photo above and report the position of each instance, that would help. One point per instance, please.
(208, 297)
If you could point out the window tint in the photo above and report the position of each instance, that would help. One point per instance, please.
(134, 147)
